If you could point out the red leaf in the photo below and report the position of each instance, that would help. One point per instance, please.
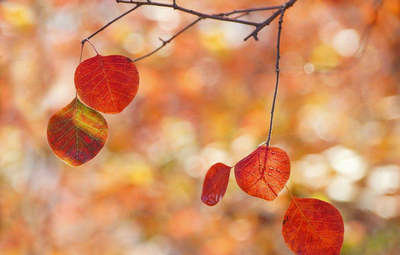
(215, 183)
(107, 83)
(262, 174)
(76, 133)
(313, 227)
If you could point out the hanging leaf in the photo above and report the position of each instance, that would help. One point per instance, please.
(263, 174)
(77, 133)
(313, 227)
(215, 183)
(107, 83)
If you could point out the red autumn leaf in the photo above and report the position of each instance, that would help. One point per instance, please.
(107, 83)
(313, 227)
(262, 174)
(76, 133)
(215, 183)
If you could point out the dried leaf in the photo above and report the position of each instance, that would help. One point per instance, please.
(77, 133)
(107, 83)
(262, 174)
(215, 183)
(313, 227)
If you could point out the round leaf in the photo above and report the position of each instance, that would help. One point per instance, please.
(215, 183)
(263, 174)
(76, 133)
(313, 227)
(107, 83)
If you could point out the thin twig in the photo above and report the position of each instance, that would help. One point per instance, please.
(260, 26)
(277, 71)
(200, 15)
(242, 13)
(250, 10)
(193, 12)
(165, 42)
(109, 23)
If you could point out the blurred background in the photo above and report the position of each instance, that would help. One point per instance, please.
(203, 99)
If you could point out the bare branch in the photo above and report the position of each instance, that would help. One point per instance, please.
(219, 16)
(109, 23)
(200, 15)
(242, 12)
(260, 26)
(168, 41)
(250, 10)
(193, 12)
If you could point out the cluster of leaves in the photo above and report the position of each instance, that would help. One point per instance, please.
(310, 226)
(107, 84)
(147, 180)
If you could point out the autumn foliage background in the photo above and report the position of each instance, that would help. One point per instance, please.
(203, 99)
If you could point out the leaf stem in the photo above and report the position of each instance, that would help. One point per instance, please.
(80, 57)
(93, 47)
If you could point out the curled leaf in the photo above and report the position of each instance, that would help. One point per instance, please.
(107, 83)
(76, 133)
(264, 172)
(215, 183)
(313, 227)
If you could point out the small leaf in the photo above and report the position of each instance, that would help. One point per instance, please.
(77, 133)
(215, 183)
(313, 227)
(107, 83)
(262, 174)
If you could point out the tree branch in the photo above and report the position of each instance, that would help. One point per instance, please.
(260, 26)
(201, 16)
(242, 12)
(109, 23)
(193, 12)
(219, 16)
(250, 10)
(168, 41)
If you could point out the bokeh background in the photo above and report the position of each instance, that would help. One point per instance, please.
(203, 99)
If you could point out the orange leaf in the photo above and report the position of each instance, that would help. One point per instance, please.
(215, 183)
(313, 227)
(107, 83)
(262, 174)
(76, 133)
